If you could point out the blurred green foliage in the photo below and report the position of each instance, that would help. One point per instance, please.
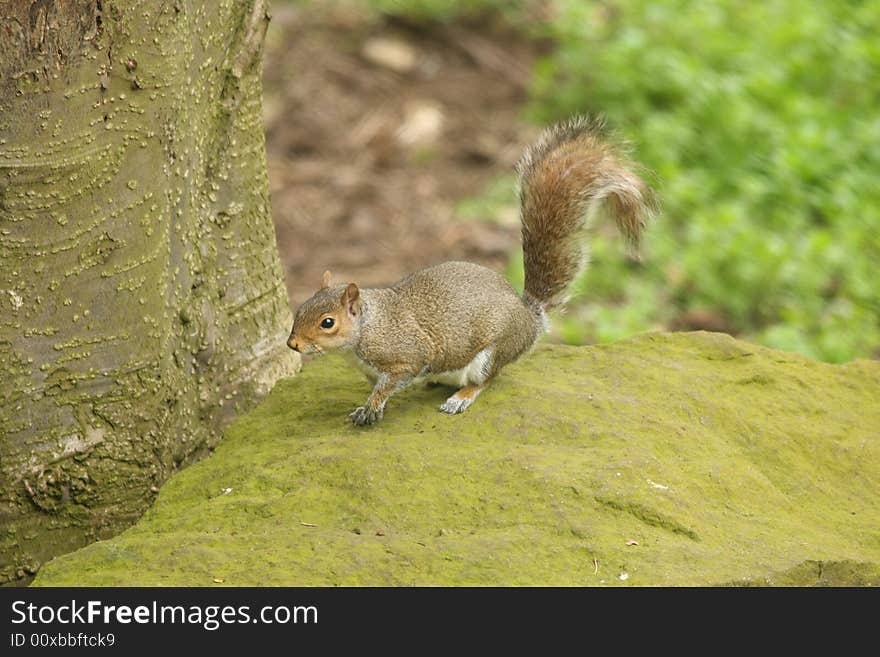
(762, 124)
(449, 10)
(497, 204)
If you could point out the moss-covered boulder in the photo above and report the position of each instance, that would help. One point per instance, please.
(684, 459)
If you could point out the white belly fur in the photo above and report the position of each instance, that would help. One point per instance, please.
(474, 373)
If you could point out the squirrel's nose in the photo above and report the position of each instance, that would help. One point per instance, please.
(293, 344)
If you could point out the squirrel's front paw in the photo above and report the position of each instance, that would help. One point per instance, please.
(363, 416)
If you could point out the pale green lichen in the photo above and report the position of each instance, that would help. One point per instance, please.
(123, 307)
(683, 459)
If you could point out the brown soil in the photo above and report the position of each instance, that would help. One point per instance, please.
(369, 154)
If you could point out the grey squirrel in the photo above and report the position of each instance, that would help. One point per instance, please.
(459, 323)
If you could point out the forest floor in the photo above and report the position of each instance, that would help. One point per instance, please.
(376, 132)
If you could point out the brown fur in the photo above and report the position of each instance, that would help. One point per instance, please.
(571, 169)
(462, 320)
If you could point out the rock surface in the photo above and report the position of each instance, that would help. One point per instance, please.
(668, 459)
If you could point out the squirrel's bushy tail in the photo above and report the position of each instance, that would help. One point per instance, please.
(564, 177)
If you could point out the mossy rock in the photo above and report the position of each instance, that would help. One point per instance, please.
(669, 459)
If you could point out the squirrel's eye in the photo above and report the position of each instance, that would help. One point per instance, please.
(327, 323)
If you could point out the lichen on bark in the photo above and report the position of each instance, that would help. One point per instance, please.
(141, 295)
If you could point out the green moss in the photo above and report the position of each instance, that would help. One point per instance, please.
(682, 459)
(822, 573)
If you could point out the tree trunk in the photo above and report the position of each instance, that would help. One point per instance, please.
(141, 296)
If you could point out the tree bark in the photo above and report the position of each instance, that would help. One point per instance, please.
(142, 300)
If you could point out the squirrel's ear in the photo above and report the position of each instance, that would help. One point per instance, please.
(325, 281)
(351, 299)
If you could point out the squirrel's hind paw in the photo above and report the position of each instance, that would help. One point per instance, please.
(461, 400)
(363, 416)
